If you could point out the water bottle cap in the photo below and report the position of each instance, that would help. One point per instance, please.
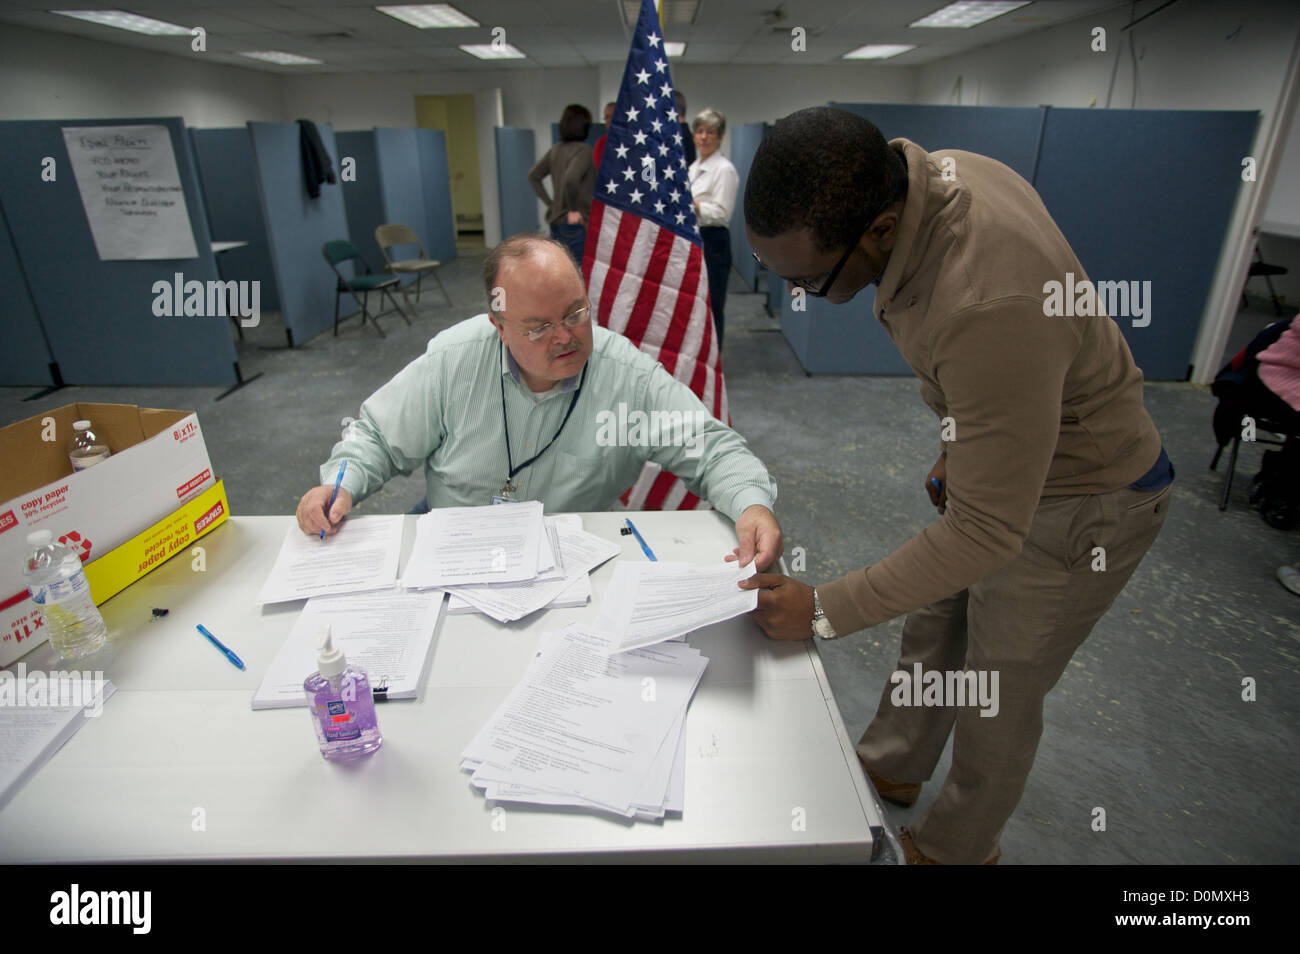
(329, 658)
(40, 538)
(81, 425)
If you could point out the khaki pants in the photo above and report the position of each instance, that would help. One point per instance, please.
(1023, 621)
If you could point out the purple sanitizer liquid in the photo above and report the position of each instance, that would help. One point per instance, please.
(342, 705)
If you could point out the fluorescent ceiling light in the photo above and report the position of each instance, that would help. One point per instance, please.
(429, 16)
(126, 21)
(282, 59)
(674, 49)
(968, 13)
(877, 51)
(487, 51)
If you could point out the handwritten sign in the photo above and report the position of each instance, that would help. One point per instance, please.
(131, 191)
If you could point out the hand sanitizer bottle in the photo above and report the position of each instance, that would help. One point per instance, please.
(342, 705)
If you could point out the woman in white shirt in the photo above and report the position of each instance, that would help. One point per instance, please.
(714, 183)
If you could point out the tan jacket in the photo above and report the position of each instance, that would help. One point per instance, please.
(1040, 406)
(573, 177)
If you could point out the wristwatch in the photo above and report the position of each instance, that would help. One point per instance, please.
(821, 626)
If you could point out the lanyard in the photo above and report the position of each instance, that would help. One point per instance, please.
(510, 461)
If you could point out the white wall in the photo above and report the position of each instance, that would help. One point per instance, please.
(56, 76)
(1185, 61)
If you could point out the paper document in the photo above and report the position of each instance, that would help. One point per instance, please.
(582, 728)
(491, 544)
(580, 553)
(31, 732)
(387, 634)
(647, 603)
(363, 555)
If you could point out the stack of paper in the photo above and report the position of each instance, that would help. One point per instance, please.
(647, 603)
(363, 555)
(589, 730)
(38, 715)
(481, 559)
(385, 633)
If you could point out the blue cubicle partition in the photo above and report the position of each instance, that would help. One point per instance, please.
(1145, 195)
(1141, 195)
(401, 178)
(847, 339)
(439, 232)
(298, 225)
(515, 158)
(229, 180)
(25, 357)
(1009, 134)
(363, 197)
(98, 315)
(744, 142)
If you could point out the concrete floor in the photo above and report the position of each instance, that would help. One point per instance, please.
(1147, 722)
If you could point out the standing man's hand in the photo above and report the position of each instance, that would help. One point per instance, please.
(785, 606)
(759, 536)
(574, 218)
(939, 472)
(311, 510)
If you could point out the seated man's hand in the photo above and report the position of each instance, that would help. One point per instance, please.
(311, 510)
(785, 606)
(759, 536)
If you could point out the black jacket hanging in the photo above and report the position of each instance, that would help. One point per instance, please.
(316, 164)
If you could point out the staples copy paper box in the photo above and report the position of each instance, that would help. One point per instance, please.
(158, 464)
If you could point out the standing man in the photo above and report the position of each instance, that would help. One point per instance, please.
(1052, 483)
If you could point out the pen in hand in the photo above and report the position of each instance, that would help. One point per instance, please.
(334, 496)
(229, 654)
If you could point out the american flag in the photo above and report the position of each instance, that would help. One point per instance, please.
(644, 261)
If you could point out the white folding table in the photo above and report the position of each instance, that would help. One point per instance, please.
(179, 767)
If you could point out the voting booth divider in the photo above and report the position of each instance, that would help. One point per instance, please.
(298, 225)
(1143, 196)
(102, 320)
(515, 158)
(744, 143)
(26, 357)
(229, 182)
(401, 178)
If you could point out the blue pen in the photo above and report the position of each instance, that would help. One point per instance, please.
(937, 486)
(238, 663)
(641, 540)
(334, 496)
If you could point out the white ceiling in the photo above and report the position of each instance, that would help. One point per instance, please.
(352, 37)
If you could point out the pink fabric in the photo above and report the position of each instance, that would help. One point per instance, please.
(1279, 366)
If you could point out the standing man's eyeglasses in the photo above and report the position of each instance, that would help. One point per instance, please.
(834, 273)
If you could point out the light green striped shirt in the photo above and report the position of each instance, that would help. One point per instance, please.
(443, 410)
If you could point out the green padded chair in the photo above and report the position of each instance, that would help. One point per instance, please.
(360, 285)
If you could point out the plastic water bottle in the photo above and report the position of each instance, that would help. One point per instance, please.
(87, 450)
(59, 588)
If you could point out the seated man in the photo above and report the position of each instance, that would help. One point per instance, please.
(531, 402)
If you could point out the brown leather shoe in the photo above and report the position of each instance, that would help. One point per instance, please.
(913, 855)
(900, 793)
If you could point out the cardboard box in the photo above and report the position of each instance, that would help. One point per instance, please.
(159, 463)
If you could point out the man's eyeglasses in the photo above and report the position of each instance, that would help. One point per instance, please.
(572, 320)
(830, 279)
